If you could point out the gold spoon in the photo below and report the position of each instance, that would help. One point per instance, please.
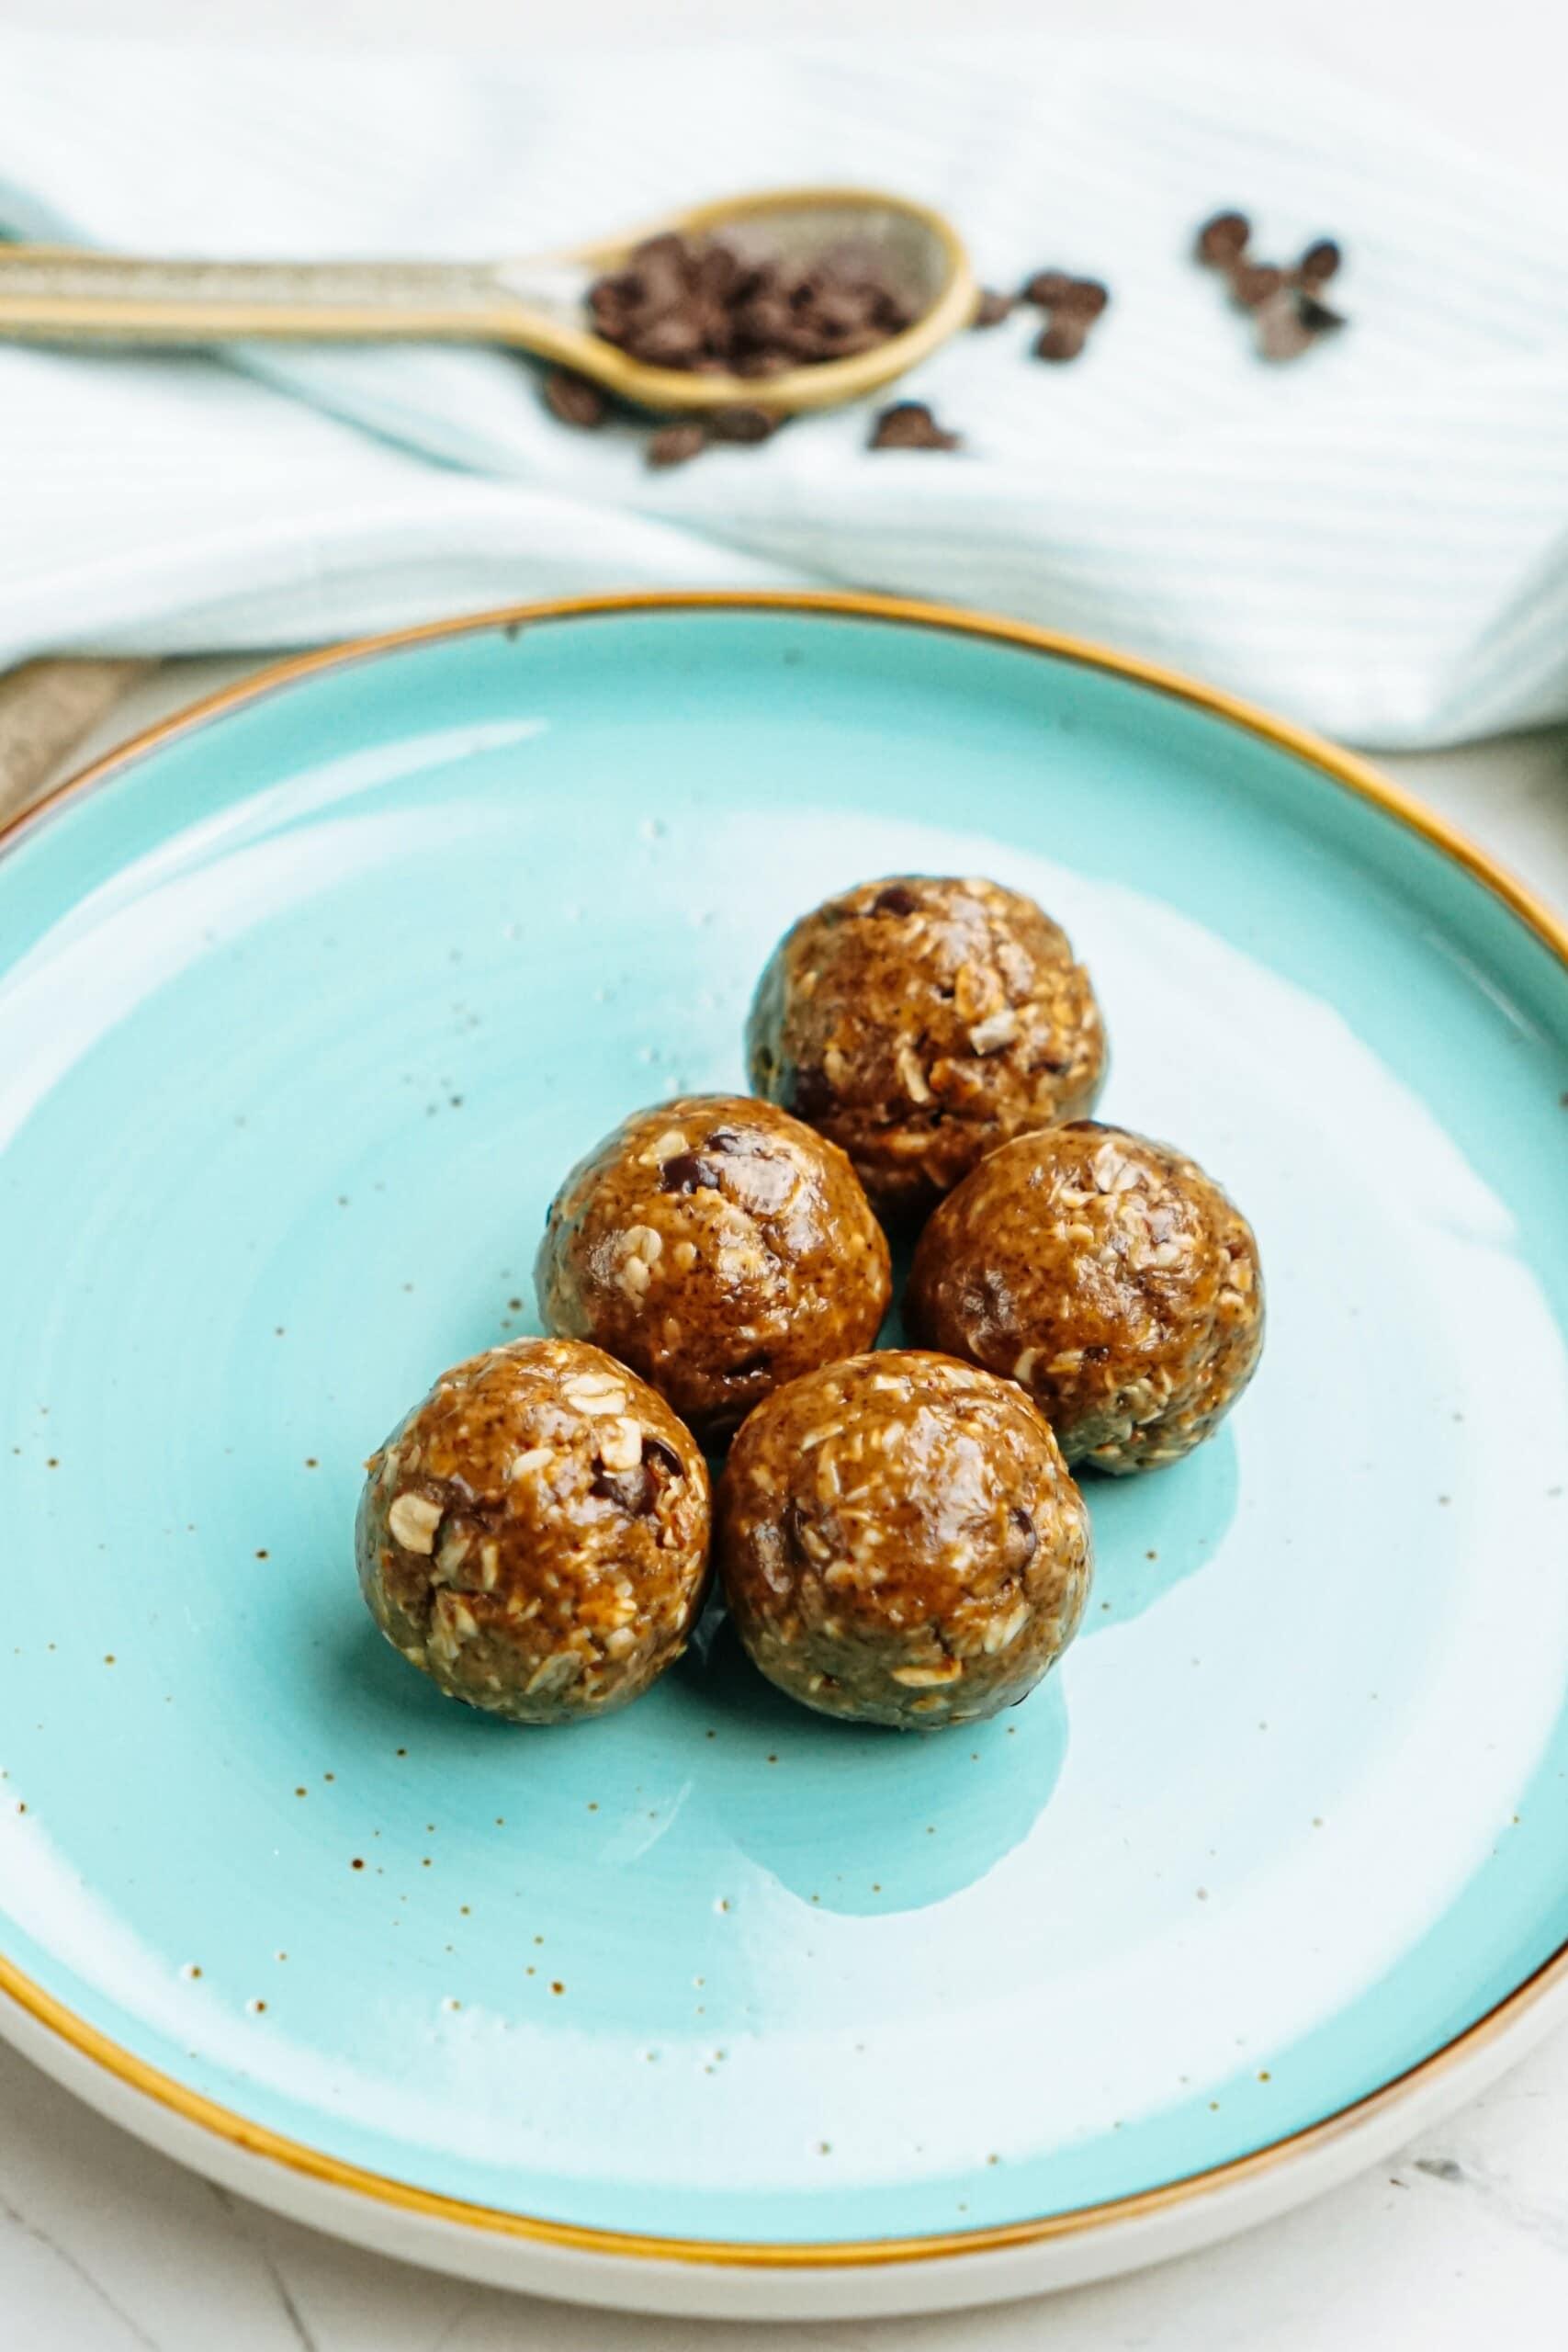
(55, 294)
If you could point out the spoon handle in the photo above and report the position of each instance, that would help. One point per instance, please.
(54, 294)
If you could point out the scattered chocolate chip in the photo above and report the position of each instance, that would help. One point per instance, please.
(1063, 338)
(632, 1489)
(1084, 298)
(1280, 334)
(1316, 316)
(1222, 240)
(665, 1455)
(809, 1094)
(574, 399)
(1071, 304)
(1253, 283)
(992, 308)
(1028, 1530)
(743, 423)
(1290, 323)
(1319, 263)
(909, 424)
(1045, 289)
(1288, 316)
(897, 900)
(688, 1173)
(677, 445)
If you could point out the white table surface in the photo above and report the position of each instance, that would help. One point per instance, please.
(1464, 2239)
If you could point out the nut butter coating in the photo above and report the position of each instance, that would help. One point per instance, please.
(900, 1542)
(1110, 1276)
(533, 1536)
(721, 1248)
(920, 1022)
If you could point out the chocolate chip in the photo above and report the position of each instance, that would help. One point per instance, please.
(633, 1489)
(664, 1454)
(673, 341)
(1095, 1354)
(704, 305)
(1319, 263)
(607, 304)
(1283, 333)
(809, 1093)
(1045, 289)
(992, 308)
(1029, 1532)
(720, 272)
(1072, 305)
(1063, 338)
(743, 423)
(1287, 314)
(688, 1173)
(1222, 240)
(1084, 298)
(1316, 317)
(1293, 322)
(898, 898)
(676, 444)
(726, 1139)
(1253, 283)
(909, 424)
(574, 399)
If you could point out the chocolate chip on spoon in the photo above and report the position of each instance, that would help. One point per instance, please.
(702, 305)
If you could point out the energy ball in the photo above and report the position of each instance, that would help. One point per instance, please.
(534, 1535)
(900, 1542)
(718, 1246)
(1109, 1276)
(920, 1022)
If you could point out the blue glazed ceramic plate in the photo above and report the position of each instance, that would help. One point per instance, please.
(304, 1007)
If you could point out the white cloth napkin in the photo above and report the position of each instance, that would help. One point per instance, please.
(1374, 537)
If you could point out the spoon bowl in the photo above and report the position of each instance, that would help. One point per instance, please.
(537, 304)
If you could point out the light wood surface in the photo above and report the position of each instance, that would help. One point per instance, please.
(45, 708)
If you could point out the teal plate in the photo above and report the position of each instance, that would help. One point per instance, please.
(305, 1005)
